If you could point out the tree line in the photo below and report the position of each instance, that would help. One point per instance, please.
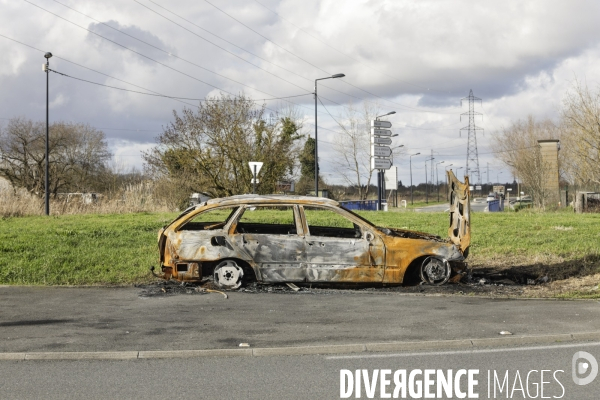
(578, 129)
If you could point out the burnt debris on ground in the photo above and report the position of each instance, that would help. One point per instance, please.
(478, 282)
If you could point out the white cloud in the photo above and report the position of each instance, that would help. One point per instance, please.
(519, 57)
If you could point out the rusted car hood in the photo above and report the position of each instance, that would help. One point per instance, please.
(408, 234)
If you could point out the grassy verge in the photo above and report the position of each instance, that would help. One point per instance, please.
(79, 249)
(119, 248)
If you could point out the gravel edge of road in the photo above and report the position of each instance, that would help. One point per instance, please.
(308, 350)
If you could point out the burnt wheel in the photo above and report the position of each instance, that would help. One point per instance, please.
(435, 271)
(228, 275)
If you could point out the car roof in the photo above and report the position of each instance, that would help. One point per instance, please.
(271, 198)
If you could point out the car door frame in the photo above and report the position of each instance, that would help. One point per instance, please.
(265, 244)
(371, 265)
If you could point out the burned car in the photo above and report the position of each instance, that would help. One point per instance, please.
(293, 239)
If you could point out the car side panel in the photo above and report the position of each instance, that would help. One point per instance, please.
(279, 257)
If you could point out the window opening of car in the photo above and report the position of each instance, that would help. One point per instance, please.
(214, 218)
(328, 223)
(274, 220)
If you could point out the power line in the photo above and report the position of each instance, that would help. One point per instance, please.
(159, 49)
(151, 59)
(235, 55)
(165, 96)
(233, 44)
(347, 55)
(315, 66)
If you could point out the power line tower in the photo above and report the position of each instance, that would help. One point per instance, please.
(472, 129)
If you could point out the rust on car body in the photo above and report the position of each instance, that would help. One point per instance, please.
(278, 238)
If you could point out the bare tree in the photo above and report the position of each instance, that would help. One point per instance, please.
(353, 147)
(581, 122)
(517, 146)
(209, 150)
(77, 154)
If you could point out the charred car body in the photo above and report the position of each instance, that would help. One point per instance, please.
(306, 239)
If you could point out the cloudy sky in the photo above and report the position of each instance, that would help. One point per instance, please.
(418, 58)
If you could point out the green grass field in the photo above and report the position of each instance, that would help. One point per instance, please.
(120, 248)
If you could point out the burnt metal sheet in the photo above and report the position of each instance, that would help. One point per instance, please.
(460, 212)
(279, 257)
(377, 255)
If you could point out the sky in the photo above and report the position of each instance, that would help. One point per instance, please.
(418, 58)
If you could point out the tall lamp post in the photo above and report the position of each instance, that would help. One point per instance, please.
(393, 148)
(446, 170)
(381, 172)
(497, 175)
(426, 186)
(46, 69)
(316, 134)
(411, 185)
(437, 179)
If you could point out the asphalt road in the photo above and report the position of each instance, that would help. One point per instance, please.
(50, 319)
(303, 377)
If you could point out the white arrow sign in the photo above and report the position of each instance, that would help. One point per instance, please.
(381, 151)
(381, 140)
(380, 163)
(382, 132)
(258, 165)
(381, 124)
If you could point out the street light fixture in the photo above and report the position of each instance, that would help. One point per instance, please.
(426, 185)
(411, 185)
(316, 134)
(437, 179)
(498, 180)
(446, 170)
(46, 69)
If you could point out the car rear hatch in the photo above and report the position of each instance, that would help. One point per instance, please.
(460, 212)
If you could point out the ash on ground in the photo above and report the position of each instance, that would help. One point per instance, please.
(482, 282)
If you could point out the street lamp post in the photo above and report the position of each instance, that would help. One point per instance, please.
(426, 186)
(46, 69)
(316, 134)
(446, 170)
(393, 148)
(381, 172)
(411, 185)
(437, 180)
(497, 179)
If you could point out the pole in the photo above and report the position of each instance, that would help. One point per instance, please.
(447, 187)
(411, 188)
(47, 186)
(437, 182)
(379, 190)
(254, 181)
(316, 147)
(426, 191)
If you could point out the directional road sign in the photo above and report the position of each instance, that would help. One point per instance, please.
(381, 140)
(381, 124)
(380, 163)
(381, 132)
(380, 151)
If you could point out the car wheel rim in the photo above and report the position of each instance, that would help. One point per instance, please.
(435, 271)
(228, 275)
